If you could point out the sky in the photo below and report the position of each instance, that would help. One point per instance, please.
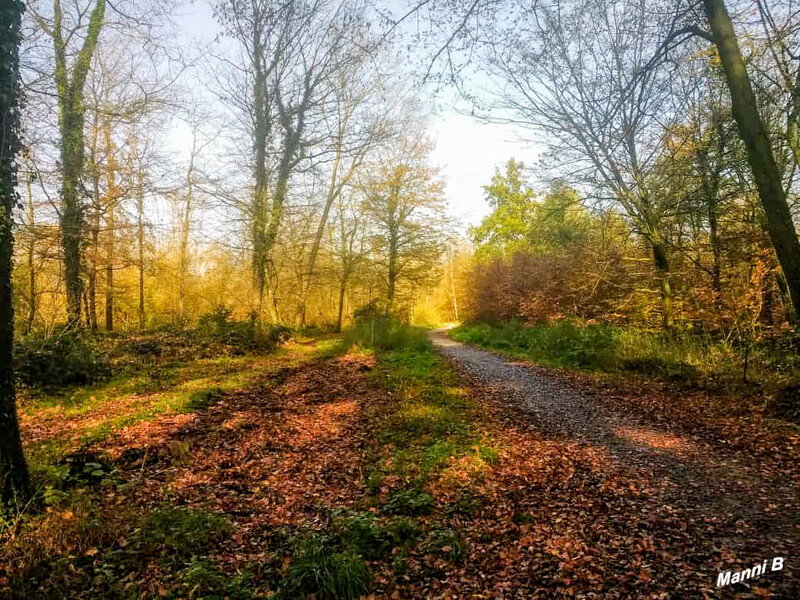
(467, 150)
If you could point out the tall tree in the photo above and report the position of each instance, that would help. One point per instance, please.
(405, 204)
(355, 123)
(13, 469)
(757, 141)
(291, 50)
(70, 77)
(573, 71)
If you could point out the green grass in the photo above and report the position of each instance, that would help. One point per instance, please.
(679, 357)
(431, 421)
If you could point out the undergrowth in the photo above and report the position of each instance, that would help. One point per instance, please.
(678, 357)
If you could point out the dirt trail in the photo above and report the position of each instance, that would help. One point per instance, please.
(561, 410)
(702, 474)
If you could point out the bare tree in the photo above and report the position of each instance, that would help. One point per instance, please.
(350, 247)
(356, 122)
(290, 50)
(573, 71)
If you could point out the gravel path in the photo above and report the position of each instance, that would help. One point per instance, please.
(553, 406)
(747, 509)
(684, 464)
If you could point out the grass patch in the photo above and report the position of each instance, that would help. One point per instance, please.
(320, 569)
(182, 532)
(679, 357)
(202, 399)
(448, 543)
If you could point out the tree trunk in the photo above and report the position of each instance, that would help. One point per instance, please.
(259, 216)
(112, 194)
(759, 149)
(72, 209)
(110, 270)
(342, 288)
(452, 283)
(70, 121)
(716, 260)
(140, 242)
(392, 281)
(13, 469)
(93, 272)
(184, 243)
(333, 192)
(661, 261)
(31, 256)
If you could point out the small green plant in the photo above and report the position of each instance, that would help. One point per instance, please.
(403, 531)
(522, 518)
(202, 579)
(363, 536)
(63, 358)
(202, 399)
(183, 532)
(488, 454)
(448, 543)
(411, 502)
(328, 574)
(466, 504)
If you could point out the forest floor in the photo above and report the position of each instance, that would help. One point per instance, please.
(330, 470)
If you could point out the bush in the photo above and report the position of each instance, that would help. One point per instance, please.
(411, 502)
(240, 336)
(386, 333)
(678, 357)
(64, 358)
(786, 405)
(374, 309)
(360, 533)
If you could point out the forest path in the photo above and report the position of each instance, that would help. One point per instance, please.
(714, 477)
(559, 409)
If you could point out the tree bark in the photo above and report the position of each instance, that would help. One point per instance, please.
(661, 261)
(14, 477)
(31, 256)
(71, 119)
(110, 270)
(339, 316)
(111, 167)
(184, 242)
(140, 242)
(452, 283)
(748, 119)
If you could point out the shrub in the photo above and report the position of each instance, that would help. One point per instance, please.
(786, 405)
(374, 309)
(386, 333)
(61, 359)
(403, 530)
(361, 534)
(240, 336)
(204, 580)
